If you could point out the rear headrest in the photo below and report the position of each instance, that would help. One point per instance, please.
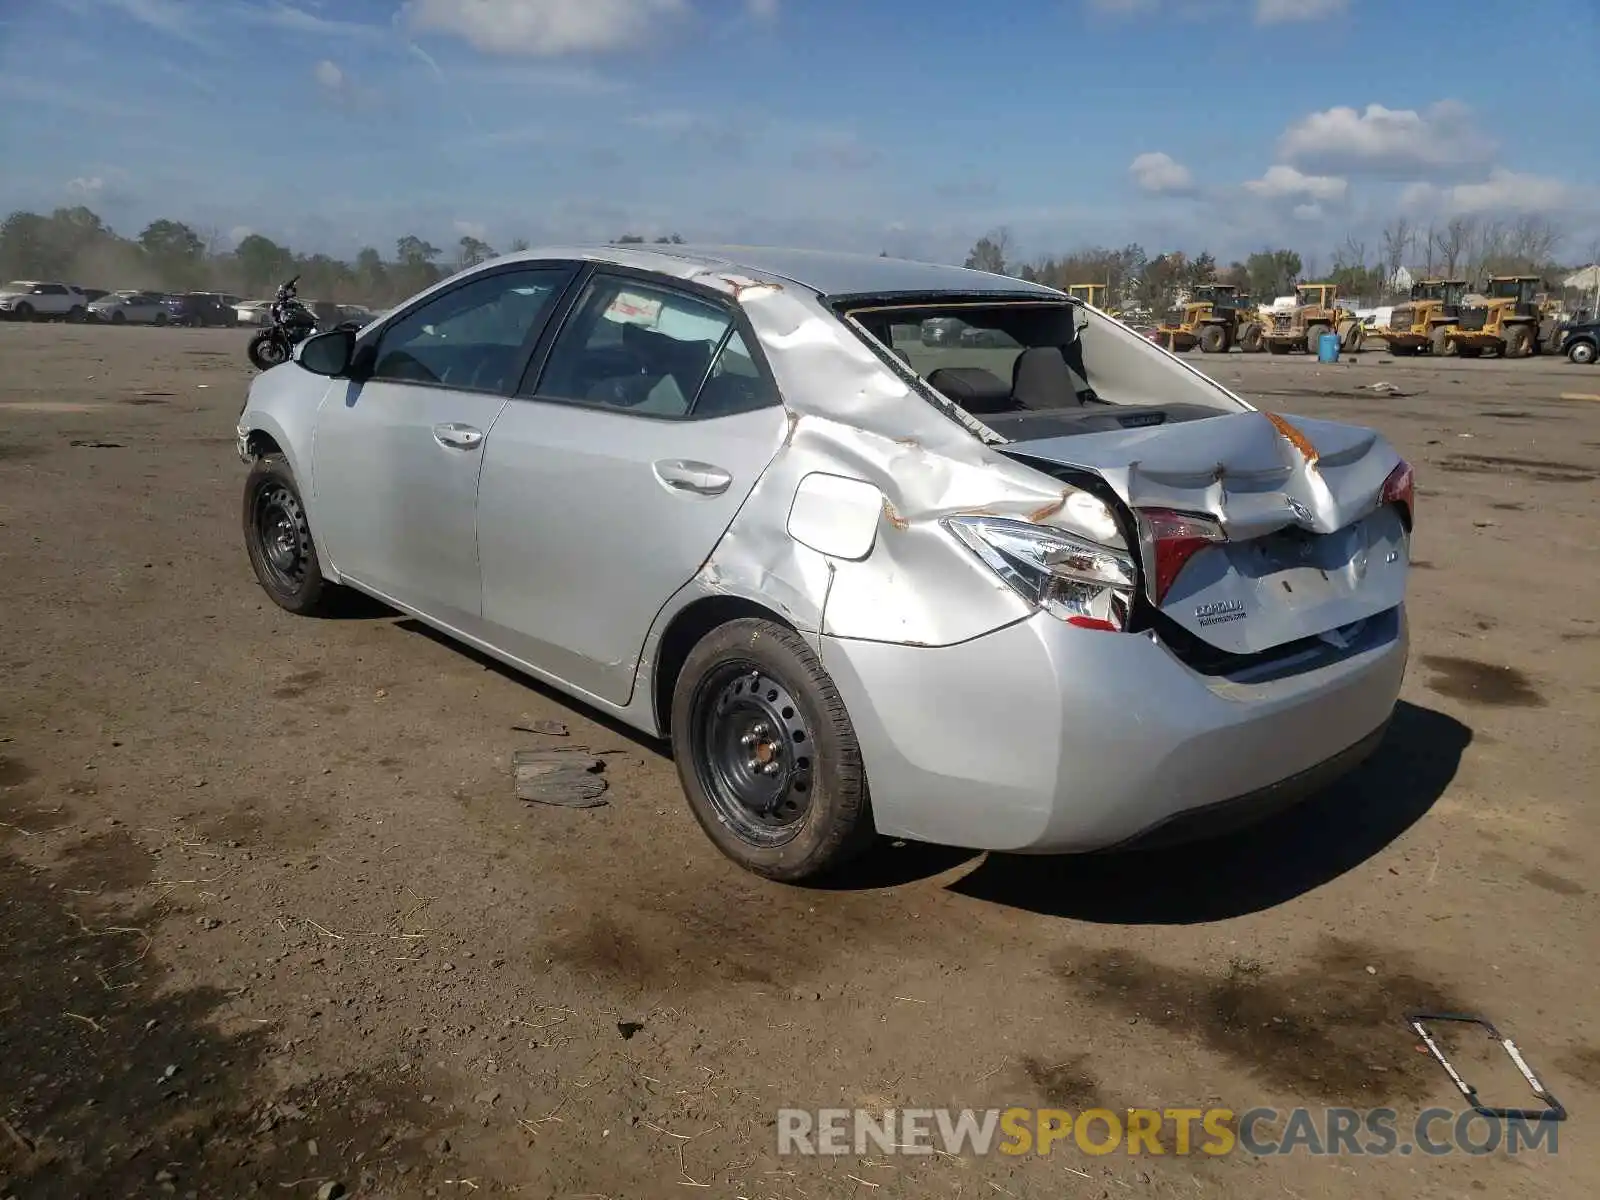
(973, 388)
(1040, 379)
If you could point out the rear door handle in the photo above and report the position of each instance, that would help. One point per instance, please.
(685, 475)
(455, 436)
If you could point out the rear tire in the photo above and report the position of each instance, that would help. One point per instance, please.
(1214, 340)
(1519, 342)
(791, 804)
(76, 314)
(1440, 344)
(1469, 351)
(161, 319)
(118, 317)
(278, 538)
(1314, 334)
(1250, 339)
(1278, 347)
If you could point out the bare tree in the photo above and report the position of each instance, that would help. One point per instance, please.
(1531, 244)
(1431, 247)
(1399, 239)
(1454, 243)
(1488, 248)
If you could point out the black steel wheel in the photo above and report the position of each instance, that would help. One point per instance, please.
(268, 349)
(753, 752)
(278, 538)
(766, 753)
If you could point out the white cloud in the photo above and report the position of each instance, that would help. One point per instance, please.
(86, 186)
(1503, 192)
(762, 10)
(1394, 143)
(328, 76)
(543, 27)
(472, 229)
(1309, 212)
(1277, 12)
(1161, 174)
(1265, 12)
(238, 233)
(1283, 183)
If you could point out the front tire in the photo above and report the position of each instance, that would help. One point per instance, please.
(767, 755)
(24, 311)
(118, 317)
(278, 538)
(1519, 342)
(1213, 340)
(1582, 353)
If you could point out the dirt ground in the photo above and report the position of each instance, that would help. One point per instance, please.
(271, 917)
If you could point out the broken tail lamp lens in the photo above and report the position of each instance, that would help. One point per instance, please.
(1084, 584)
(1175, 538)
(1401, 489)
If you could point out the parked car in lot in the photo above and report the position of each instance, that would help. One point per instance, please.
(92, 294)
(200, 309)
(997, 598)
(1580, 341)
(359, 313)
(130, 307)
(253, 312)
(38, 300)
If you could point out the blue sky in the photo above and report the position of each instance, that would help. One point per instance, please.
(907, 125)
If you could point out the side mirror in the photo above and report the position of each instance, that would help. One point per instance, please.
(328, 353)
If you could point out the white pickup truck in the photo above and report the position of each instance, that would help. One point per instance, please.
(36, 300)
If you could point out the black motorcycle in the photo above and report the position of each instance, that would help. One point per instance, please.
(291, 323)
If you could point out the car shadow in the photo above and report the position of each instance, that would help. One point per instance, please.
(347, 604)
(644, 741)
(1285, 856)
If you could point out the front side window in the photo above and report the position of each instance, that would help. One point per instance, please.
(634, 346)
(473, 337)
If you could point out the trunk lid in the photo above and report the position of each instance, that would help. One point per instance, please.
(1311, 548)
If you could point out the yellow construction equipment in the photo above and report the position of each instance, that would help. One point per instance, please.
(1092, 294)
(1316, 311)
(1425, 323)
(1216, 318)
(1509, 320)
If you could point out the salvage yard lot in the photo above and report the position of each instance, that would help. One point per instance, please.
(271, 915)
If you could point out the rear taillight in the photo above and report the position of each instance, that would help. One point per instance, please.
(1401, 489)
(1083, 583)
(1176, 537)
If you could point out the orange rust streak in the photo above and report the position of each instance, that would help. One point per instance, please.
(1294, 437)
(1049, 510)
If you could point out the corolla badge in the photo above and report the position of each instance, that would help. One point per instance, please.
(1218, 611)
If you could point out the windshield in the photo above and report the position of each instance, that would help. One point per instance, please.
(1021, 365)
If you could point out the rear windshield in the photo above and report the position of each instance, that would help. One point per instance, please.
(1027, 368)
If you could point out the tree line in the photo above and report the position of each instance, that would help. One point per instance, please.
(75, 245)
(1466, 247)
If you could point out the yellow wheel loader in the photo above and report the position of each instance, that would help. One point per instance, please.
(1423, 325)
(1216, 318)
(1508, 321)
(1316, 311)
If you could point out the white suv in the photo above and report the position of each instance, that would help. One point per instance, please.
(32, 300)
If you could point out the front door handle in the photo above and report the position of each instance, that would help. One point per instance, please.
(685, 475)
(455, 436)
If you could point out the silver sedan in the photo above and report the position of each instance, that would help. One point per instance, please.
(1035, 586)
(130, 307)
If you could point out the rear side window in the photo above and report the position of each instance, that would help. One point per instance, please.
(474, 337)
(635, 346)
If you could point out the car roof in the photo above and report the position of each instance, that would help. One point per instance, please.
(825, 272)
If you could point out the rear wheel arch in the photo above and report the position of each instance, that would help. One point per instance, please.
(684, 632)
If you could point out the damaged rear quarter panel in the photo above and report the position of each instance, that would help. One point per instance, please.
(851, 415)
